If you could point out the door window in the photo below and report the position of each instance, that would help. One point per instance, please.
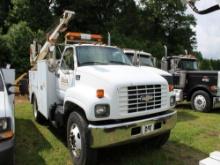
(68, 61)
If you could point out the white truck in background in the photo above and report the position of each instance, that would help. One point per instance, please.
(147, 61)
(7, 122)
(98, 96)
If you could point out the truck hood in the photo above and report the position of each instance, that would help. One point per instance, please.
(118, 74)
(156, 70)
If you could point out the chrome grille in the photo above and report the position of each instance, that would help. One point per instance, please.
(140, 98)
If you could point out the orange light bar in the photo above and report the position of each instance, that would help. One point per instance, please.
(100, 93)
(71, 36)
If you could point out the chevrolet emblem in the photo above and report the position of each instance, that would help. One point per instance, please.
(146, 98)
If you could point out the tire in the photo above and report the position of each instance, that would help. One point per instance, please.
(38, 117)
(78, 141)
(12, 160)
(159, 141)
(201, 101)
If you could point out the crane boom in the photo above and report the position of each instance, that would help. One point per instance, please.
(36, 55)
(208, 10)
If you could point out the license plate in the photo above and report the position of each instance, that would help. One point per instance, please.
(148, 128)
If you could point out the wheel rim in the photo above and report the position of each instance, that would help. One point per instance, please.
(35, 110)
(200, 102)
(75, 140)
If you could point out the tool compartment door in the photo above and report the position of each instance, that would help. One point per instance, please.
(46, 88)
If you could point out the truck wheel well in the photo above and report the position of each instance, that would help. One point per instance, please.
(196, 89)
(70, 107)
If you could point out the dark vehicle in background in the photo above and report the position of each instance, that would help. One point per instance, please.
(200, 87)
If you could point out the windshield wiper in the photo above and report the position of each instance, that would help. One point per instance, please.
(118, 62)
(92, 63)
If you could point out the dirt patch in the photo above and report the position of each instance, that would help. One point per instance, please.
(213, 133)
(21, 99)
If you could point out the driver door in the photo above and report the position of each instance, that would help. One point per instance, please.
(65, 73)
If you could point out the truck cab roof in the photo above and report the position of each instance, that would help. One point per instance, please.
(137, 51)
(184, 57)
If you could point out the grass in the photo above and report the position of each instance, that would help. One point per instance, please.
(194, 137)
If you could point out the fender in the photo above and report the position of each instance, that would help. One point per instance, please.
(198, 87)
(85, 98)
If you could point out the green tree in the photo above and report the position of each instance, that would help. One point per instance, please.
(205, 65)
(4, 9)
(18, 40)
(166, 22)
(35, 12)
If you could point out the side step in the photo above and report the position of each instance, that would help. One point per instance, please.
(58, 116)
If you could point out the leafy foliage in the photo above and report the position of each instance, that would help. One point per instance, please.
(17, 41)
(35, 12)
(147, 26)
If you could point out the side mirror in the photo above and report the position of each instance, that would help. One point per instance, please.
(8, 87)
(155, 61)
(164, 64)
(52, 48)
(135, 60)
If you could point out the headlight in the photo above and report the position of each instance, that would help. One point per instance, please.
(5, 129)
(172, 100)
(102, 110)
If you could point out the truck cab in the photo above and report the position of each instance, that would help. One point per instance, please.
(100, 98)
(7, 126)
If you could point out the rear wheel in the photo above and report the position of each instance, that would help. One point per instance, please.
(78, 141)
(201, 101)
(38, 117)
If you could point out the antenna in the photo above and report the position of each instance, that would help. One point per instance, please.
(109, 38)
(166, 51)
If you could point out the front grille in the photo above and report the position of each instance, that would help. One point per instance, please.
(140, 98)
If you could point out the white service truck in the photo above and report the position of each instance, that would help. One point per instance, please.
(7, 123)
(100, 98)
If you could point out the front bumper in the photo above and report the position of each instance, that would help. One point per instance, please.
(7, 151)
(108, 135)
(216, 102)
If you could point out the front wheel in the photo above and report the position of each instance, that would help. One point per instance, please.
(201, 101)
(78, 141)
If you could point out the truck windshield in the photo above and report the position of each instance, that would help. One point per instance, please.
(98, 55)
(146, 61)
(188, 65)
